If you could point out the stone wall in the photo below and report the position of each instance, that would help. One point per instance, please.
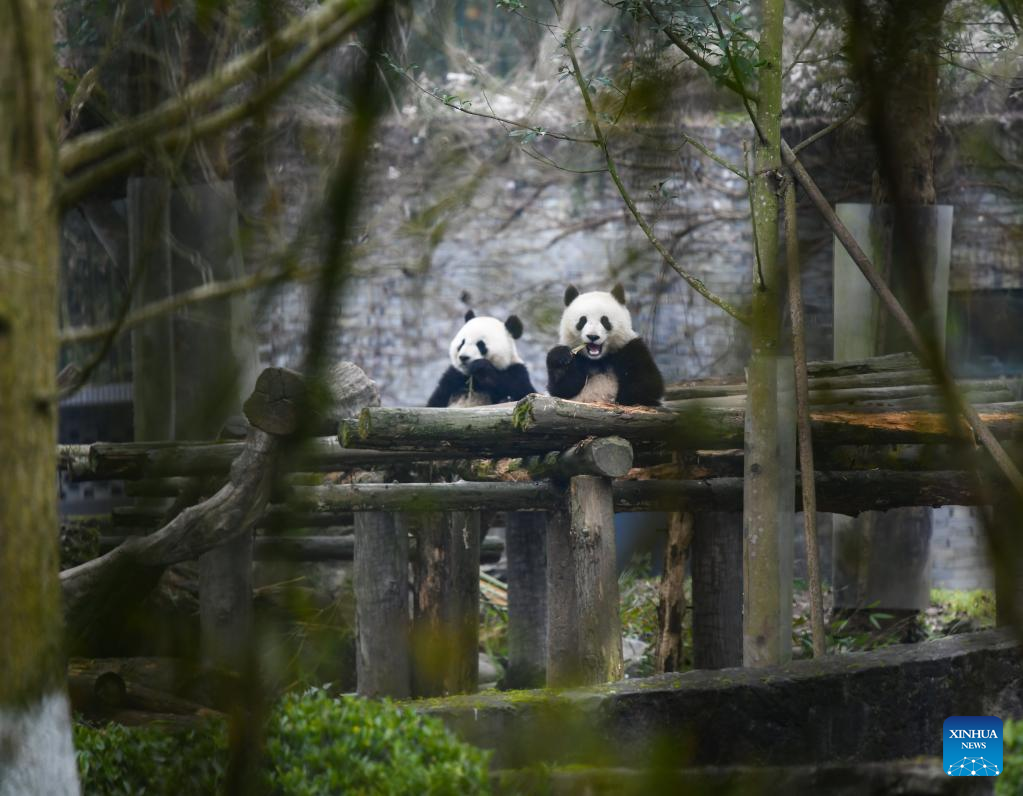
(505, 233)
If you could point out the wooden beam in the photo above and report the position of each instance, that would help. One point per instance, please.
(840, 492)
(320, 548)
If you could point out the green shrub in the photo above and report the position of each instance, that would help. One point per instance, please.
(1010, 781)
(321, 745)
(115, 760)
(315, 744)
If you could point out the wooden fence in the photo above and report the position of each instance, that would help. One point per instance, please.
(560, 470)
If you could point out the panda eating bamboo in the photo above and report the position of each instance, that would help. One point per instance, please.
(601, 359)
(485, 365)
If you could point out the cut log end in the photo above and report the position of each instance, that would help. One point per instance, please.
(276, 402)
(612, 456)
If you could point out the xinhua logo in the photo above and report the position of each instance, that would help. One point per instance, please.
(972, 746)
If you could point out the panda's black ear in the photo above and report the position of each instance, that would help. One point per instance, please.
(470, 315)
(514, 326)
(619, 293)
(570, 294)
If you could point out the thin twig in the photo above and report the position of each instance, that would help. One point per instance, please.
(806, 467)
(703, 148)
(197, 295)
(494, 117)
(802, 48)
(694, 282)
(827, 130)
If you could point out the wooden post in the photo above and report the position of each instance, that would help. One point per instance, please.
(526, 546)
(584, 638)
(671, 604)
(445, 633)
(383, 654)
(717, 590)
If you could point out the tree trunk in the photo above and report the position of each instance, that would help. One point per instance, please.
(36, 755)
(769, 456)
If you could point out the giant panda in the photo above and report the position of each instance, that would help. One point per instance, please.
(485, 365)
(601, 359)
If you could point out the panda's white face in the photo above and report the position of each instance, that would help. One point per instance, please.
(597, 320)
(484, 338)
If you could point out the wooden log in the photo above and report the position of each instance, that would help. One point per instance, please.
(93, 693)
(383, 631)
(425, 498)
(840, 492)
(584, 638)
(104, 461)
(717, 590)
(610, 457)
(903, 360)
(671, 596)
(93, 589)
(446, 625)
(902, 368)
(728, 463)
(319, 548)
(526, 539)
(277, 402)
(539, 423)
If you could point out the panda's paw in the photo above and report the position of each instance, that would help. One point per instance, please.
(483, 373)
(559, 357)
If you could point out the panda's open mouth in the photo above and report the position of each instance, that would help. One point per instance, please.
(593, 350)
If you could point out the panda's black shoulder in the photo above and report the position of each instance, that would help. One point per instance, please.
(639, 379)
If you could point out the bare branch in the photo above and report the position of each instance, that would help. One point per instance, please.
(694, 282)
(207, 292)
(827, 130)
(90, 146)
(494, 117)
(688, 139)
(210, 124)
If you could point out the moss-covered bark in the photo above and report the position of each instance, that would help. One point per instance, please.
(33, 711)
(766, 629)
(29, 595)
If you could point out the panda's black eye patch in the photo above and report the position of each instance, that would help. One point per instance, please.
(605, 322)
(482, 347)
(582, 322)
(460, 345)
